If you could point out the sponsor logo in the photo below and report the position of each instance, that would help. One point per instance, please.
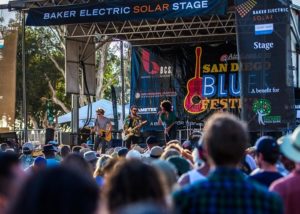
(264, 29)
(230, 57)
(263, 108)
(263, 45)
(244, 8)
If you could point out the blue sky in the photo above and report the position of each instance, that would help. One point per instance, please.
(7, 15)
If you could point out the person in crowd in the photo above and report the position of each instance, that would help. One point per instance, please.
(156, 152)
(50, 155)
(169, 153)
(168, 171)
(3, 147)
(11, 179)
(133, 154)
(181, 164)
(122, 152)
(167, 119)
(57, 190)
(132, 127)
(201, 169)
(99, 171)
(133, 181)
(65, 151)
(26, 157)
(288, 187)
(38, 165)
(151, 141)
(144, 207)
(267, 155)
(226, 190)
(91, 158)
(102, 128)
(78, 163)
(76, 149)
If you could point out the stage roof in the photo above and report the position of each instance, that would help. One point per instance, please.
(152, 31)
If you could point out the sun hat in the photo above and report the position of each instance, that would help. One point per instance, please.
(90, 156)
(156, 152)
(290, 145)
(134, 154)
(27, 146)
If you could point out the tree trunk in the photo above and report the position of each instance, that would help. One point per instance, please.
(54, 97)
(100, 70)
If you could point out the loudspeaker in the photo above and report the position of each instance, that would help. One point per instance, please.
(49, 135)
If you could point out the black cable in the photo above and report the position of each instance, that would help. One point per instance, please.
(89, 111)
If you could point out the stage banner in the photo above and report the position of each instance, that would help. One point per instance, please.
(107, 11)
(198, 79)
(263, 33)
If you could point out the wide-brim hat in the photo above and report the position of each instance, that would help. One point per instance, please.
(290, 145)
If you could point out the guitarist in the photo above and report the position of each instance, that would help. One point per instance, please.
(167, 118)
(101, 123)
(131, 121)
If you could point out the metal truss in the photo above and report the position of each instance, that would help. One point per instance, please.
(143, 32)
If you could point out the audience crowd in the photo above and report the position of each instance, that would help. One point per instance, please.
(215, 171)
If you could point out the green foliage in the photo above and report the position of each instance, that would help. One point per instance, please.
(263, 106)
(40, 42)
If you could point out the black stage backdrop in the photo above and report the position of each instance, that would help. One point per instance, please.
(170, 72)
(267, 94)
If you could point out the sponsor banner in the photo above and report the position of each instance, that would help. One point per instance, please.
(263, 36)
(197, 79)
(123, 10)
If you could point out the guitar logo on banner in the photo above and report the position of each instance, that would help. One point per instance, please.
(194, 97)
(244, 8)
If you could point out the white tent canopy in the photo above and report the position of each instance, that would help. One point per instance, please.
(102, 103)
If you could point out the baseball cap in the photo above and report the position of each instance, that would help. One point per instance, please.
(268, 146)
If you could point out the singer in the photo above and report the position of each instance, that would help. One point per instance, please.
(167, 119)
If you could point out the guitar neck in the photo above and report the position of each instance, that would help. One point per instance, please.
(198, 52)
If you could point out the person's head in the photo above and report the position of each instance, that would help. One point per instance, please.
(133, 181)
(168, 171)
(3, 146)
(39, 164)
(152, 141)
(267, 150)
(181, 164)
(49, 151)
(156, 152)
(64, 151)
(134, 110)
(102, 161)
(166, 105)
(91, 158)
(100, 112)
(57, 190)
(78, 163)
(27, 148)
(133, 154)
(76, 149)
(225, 139)
(10, 177)
(169, 153)
(290, 146)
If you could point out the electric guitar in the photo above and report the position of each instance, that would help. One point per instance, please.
(131, 131)
(192, 101)
(106, 134)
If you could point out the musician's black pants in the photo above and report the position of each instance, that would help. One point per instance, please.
(131, 140)
(172, 134)
(100, 141)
